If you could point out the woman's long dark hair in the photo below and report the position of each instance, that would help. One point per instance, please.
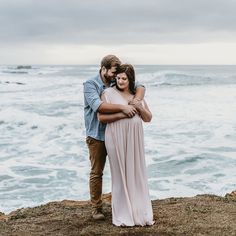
(128, 69)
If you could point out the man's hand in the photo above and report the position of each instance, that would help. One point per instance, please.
(135, 102)
(129, 110)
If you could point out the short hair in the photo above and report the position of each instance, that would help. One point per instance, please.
(110, 61)
(128, 69)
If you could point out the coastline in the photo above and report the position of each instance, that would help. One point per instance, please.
(200, 215)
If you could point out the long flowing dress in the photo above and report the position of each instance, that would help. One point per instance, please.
(124, 139)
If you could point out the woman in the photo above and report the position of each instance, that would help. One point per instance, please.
(124, 140)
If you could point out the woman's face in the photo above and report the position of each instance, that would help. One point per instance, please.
(122, 81)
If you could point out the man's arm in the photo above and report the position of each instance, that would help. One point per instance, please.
(128, 110)
(139, 94)
(106, 108)
(93, 98)
(108, 118)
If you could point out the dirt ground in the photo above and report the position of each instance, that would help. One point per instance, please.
(199, 215)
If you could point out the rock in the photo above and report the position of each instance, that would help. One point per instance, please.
(3, 217)
(200, 215)
(231, 195)
(23, 67)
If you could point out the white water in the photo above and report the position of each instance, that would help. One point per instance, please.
(190, 143)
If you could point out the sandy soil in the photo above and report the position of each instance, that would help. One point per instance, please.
(199, 215)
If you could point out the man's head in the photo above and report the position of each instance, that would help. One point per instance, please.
(109, 66)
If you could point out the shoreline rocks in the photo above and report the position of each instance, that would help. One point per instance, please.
(23, 67)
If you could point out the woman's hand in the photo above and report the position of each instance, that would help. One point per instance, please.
(129, 110)
(137, 104)
(142, 108)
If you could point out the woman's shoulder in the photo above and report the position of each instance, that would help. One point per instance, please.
(107, 94)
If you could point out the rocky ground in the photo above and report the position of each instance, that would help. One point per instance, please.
(199, 215)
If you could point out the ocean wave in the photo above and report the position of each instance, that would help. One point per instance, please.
(30, 70)
(191, 136)
(14, 72)
(20, 69)
(28, 119)
(167, 78)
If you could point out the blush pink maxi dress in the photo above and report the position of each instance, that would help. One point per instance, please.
(124, 139)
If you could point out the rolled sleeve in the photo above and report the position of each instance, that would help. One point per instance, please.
(92, 95)
(138, 84)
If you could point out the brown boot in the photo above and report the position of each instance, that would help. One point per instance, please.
(98, 215)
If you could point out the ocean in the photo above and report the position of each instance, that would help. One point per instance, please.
(190, 144)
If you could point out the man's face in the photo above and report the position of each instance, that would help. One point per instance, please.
(110, 74)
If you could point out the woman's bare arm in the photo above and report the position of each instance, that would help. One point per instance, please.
(144, 111)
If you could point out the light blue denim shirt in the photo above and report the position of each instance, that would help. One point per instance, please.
(93, 88)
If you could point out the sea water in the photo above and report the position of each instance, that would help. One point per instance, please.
(190, 145)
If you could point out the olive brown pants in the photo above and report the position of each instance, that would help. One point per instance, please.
(97, 156)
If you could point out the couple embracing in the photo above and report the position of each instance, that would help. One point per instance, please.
(114, 109)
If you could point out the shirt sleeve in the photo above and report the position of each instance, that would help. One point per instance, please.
(138, 84)
(92, 96)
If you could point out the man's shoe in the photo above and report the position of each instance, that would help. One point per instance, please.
(98, 215)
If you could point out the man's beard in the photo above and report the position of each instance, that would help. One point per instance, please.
(108, 78)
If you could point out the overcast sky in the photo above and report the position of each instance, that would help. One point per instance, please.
(138, 31)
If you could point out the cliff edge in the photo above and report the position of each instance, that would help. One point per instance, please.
(199, 215)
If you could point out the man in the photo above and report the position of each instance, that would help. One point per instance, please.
(95, 130)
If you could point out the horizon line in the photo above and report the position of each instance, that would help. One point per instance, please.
(39, 64)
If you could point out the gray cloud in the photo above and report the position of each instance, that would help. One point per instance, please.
(117, 22)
